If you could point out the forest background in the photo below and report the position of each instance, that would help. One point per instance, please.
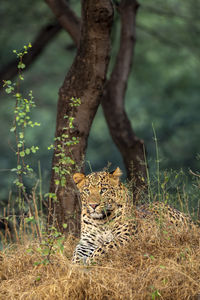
(163, 86)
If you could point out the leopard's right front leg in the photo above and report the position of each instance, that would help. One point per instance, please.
(83, 252)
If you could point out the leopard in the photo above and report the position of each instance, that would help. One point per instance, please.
(109, 219)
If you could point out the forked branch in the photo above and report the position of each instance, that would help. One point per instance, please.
(46, 34)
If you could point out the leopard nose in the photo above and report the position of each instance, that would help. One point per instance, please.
(93, 205)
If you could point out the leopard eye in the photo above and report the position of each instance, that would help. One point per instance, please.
(87, 191)
(103, 190)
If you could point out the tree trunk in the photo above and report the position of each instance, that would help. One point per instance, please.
(85, 80)
(130, 146)
(123, 135)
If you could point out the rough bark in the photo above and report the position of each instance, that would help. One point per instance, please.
(85, 80)
(130, 146)
(45, 35)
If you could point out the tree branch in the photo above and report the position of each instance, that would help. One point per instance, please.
(165, 13)
(131, 148)
(45, 35)
(161, 38)
(66, 17)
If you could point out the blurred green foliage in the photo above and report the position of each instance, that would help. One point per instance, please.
(163, 88)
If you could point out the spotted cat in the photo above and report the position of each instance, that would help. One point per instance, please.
(108, 218)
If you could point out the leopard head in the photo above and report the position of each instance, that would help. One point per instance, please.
(102, 194)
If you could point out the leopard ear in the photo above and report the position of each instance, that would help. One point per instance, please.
(117, 172)
(116, 175)
(78, 178)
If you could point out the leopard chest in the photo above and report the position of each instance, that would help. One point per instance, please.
(96, 233)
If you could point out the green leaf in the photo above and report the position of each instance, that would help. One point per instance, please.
(33, 149)
(21, 65)
(50, 147)
(8, 90)
(22, 153)
(27, 151)
(21, 135)
(162, 267)
(63, 181)
(38, 278)
(29, 250)
(28, 220)
(37, 263)
(56, 169)
(12, 129)
(45, 252)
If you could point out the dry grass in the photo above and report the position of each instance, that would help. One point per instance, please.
(159, 264)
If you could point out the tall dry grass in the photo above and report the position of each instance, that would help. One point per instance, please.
(161, 263)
